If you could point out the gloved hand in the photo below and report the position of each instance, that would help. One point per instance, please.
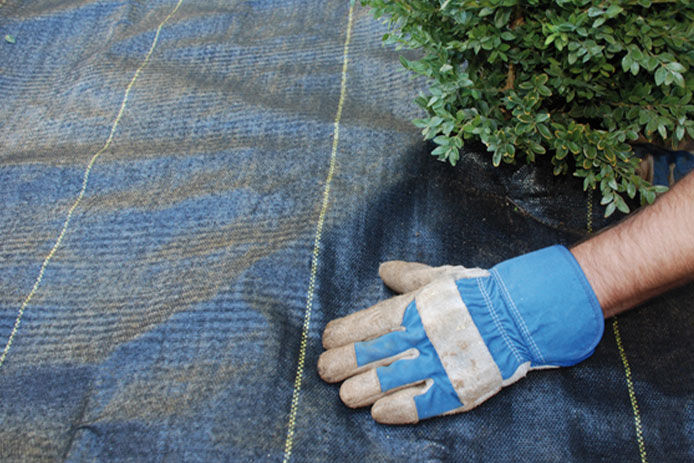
(457, 336)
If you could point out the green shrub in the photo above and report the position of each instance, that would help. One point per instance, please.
(577, 80)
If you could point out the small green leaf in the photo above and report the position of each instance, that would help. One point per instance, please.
(650, 63)
(544, 131)
(660, 75)
(662, 131)
(607, 198)
(669, 77)
(609, 210)
(538, 148)
(675, 67)
(496, 159)
(453, 155)
(594, 11)
(631, 190)
(599, 22)
(621, 204)
(442, 140)
(586, 183)
(590, 151)
(439, 150)
(10, 38)
(573, 147)
(525, 118)
(544, 90)
(613, 11)
(644, 116)
(679, 132)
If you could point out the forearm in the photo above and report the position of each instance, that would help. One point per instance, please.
(645, 255)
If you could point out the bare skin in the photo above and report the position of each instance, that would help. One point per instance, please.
(645, 255)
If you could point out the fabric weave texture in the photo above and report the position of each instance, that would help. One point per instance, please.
(161, 286)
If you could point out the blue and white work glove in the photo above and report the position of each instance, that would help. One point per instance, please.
(457, 335)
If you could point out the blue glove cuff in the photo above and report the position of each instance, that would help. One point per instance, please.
(552, 305)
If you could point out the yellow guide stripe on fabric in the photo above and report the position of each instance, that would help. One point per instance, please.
(623, 356)
(630, 389)
(316, 249)
(589, 215)
(85, 179)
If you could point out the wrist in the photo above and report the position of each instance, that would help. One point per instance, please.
(617, 285)
(599, 277)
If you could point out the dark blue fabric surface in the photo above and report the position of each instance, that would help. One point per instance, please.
(167, 324)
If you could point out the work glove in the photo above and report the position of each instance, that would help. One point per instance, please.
(457, 335)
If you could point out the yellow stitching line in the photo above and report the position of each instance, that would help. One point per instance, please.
(630, 389)
(316, 249)
(85, 178)
(623, 356)
(589, 215)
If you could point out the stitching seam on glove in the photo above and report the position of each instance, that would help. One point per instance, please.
(497, 321)
(517, 317)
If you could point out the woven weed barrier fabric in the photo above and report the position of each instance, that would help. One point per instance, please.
(192, 189)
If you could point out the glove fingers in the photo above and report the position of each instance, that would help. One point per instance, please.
(365, 389)
(361, 390)
(341, 362)
(399, 407)
(403, 277)
(382, 318)
(369, 386)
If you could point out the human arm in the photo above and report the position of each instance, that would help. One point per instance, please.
(645, 255)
